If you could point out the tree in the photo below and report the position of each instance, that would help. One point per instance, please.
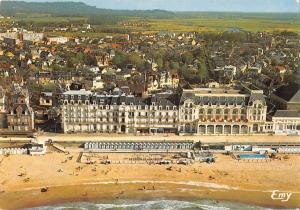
(289, 77)
(187, 57)
(119, 59)
(136, 60)
(203, 73)
(159, 62)
(174, 65)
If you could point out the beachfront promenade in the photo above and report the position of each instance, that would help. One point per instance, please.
(55, 137)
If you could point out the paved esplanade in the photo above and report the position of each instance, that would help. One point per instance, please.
(171, 137)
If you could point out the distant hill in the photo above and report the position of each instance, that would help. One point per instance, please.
(68, 8)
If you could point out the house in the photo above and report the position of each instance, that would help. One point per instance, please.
(152, 82)
(3, 110)
(94, 69)
(103, 61)
(98, 83)
(58, 40)
(46, 99)
(165, 79)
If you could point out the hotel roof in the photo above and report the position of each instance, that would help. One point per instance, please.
(290, 93)
(287, 114)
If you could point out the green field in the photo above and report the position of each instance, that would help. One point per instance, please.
(181, 23)
(219, 24)
(44, 18)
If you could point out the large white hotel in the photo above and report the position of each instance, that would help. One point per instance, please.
(191, 111)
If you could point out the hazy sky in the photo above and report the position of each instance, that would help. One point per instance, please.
(198, 5)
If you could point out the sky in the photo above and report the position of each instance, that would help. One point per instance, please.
(197, 5)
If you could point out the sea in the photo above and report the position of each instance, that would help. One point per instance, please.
(152, 205)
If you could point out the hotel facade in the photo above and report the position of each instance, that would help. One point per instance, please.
(220, 111)
(192, 111)
(83, 111)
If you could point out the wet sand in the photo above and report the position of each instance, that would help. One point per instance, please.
(22, 178)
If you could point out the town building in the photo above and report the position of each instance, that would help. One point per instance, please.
(20, 117)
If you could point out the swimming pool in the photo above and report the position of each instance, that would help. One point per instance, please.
(251, 156)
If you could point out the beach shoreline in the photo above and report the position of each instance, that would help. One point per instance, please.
(23, 177)
(97, 192)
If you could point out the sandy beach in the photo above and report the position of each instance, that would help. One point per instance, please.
(22, 178)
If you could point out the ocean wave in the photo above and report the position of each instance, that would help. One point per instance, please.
(153, 205)
(160, 204)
